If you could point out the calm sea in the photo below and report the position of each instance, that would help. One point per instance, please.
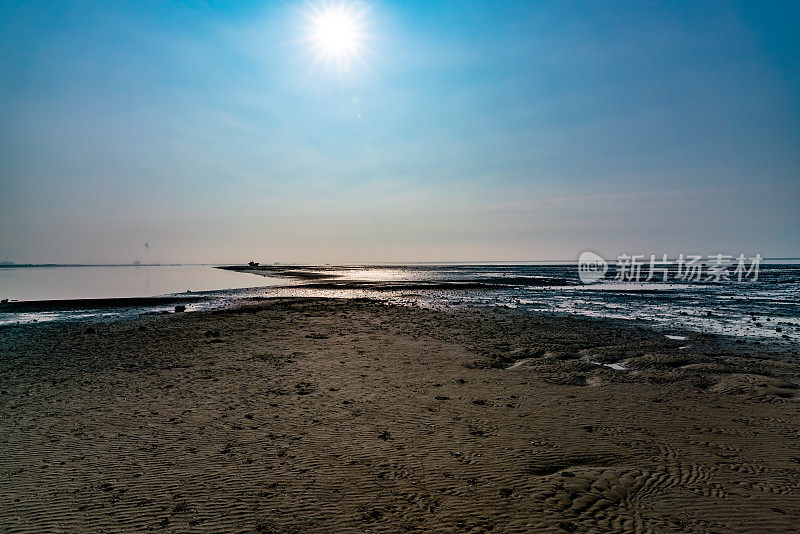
(768, 307)
(95, 282)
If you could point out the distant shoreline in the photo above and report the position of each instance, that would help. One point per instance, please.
(16, 306)
(238, 267)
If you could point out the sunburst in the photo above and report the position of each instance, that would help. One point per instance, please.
(336, 32)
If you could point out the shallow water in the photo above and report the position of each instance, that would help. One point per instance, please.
(111, 282)
(94, 282)
(768, 308)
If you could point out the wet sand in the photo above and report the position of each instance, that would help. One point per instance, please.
(303, 415)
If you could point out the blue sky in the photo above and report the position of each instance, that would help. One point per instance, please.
(470, 131)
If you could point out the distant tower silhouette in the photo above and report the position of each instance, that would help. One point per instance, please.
(147, 246)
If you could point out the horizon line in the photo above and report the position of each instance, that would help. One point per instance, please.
(279, 264)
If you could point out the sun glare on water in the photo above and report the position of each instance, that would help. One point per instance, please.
(336, 31)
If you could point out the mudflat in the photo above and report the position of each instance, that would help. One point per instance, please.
(323, 415)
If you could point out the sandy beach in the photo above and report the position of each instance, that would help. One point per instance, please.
(313, 415)
(346, 266)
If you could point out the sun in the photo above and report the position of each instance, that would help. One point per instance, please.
(336, 31)
(336, 34)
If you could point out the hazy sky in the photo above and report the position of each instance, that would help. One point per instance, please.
(470, 131)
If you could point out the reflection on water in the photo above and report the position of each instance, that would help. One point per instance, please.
(53, 283)
(768, 308)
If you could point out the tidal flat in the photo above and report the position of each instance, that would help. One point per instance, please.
(333, 415)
